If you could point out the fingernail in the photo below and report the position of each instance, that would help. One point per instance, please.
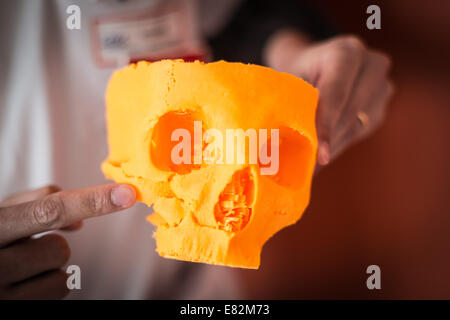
(123, 195)
(323, 155)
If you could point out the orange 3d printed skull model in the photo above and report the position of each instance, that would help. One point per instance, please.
(212, 211)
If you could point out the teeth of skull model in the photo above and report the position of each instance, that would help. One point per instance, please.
(225, 153)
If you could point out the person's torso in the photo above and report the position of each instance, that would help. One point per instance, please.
(52, 128)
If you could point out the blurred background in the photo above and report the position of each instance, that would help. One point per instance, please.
(387, 200)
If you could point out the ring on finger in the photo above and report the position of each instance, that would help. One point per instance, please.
(363, 119)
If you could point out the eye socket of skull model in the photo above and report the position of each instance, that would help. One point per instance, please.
(161, 145)
(293, 150)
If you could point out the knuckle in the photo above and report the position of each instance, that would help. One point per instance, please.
(348, 50)
(95, 202)
(351, 44)
(48, 212)
(336, 54)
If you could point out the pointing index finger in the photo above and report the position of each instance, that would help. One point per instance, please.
(62, 209)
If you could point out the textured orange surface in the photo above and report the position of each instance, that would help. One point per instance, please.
(213, 213)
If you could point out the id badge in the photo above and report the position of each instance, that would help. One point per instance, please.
(166, 31)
